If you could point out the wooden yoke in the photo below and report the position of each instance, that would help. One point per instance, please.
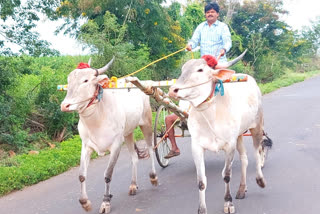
(160, 96)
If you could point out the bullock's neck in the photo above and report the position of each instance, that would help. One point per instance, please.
(94, 115)
(215, 103)
(209, 100)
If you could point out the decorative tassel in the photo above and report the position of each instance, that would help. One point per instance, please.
(83, 65)
(219, 88)
(211, 60)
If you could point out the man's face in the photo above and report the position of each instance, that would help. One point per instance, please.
(212, 16)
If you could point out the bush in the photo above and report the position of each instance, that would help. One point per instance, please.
(24, 170)
(240, 67)
(267, 68)
(11, 120)
(30, 103)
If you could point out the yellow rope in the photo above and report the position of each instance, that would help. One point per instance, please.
(153, 63)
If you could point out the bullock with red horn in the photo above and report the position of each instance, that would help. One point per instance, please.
(217, 121)
(107, 119)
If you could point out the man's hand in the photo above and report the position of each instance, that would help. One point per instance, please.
(189, 48)
(222, 52)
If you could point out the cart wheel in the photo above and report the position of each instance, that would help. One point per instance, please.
(159, 130)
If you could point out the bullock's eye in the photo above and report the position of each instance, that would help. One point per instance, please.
(85, 81)
(200, 70)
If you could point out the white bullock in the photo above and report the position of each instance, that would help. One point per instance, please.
(217, 122)
(107, 118)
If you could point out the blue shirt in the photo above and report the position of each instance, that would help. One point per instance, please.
(212, 39)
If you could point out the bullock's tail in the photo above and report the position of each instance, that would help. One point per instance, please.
(266, 141)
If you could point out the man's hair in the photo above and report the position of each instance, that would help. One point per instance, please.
(212, 5)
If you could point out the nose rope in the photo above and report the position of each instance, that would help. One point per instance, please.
(97, 95)
(217, 88)
(196, 85)
(79, 102)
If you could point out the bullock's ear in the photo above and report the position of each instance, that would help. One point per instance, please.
(223, 74)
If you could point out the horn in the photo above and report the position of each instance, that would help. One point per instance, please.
(106, 67)
(232, 62)
(89, 62)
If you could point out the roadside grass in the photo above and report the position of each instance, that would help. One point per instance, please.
(287, 79)
(24, 170)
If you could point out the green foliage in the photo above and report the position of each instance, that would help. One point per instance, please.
(18, 21)
(242, 68)
(53, 72)
(30, 103)
(126, 29)
(191, 18)
(24, 170)
(268, 68)
(11, 122)
(259, 17)
(109, 41)
(311, 37)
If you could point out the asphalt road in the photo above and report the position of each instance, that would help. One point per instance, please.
(292, 172)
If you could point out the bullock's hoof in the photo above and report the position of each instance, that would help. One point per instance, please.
(153, 179)
(133, 189)
(229, 207)
(241, 194)
(261, 182)
(202, 210)
(86, 204)
(105, 207)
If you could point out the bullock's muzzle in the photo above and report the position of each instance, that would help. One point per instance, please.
(173, 92)
(65, 107)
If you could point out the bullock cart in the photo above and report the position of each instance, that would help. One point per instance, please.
(167, 106)
(162, 145)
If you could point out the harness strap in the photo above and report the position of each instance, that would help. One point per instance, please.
(213, 93)
(216, 88)
(97, 95)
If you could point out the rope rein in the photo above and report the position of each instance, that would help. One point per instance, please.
(165, 57)
(97, 95)
(217, 87)
(196, 85)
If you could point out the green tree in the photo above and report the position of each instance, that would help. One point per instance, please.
(144, 24)
(16, 28)
(259, 28)
(108, 40)
(191, 18)
(312, 35)
(11, 120)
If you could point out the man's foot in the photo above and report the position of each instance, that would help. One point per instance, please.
(172, 154)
